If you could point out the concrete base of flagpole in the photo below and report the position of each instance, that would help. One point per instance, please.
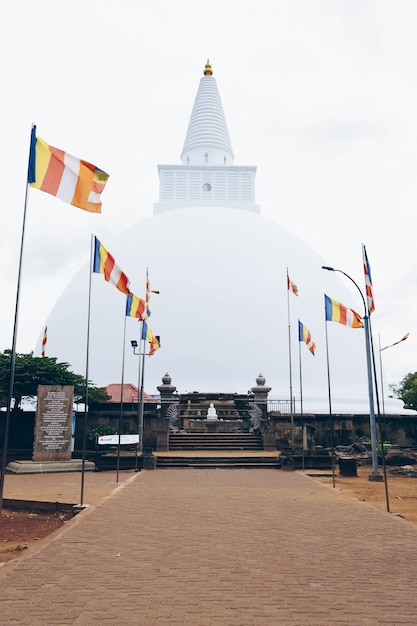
(377, 478)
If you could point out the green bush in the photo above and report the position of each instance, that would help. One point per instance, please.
(101, 429)
(368, 441)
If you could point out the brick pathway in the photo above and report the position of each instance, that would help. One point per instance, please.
(219, 548)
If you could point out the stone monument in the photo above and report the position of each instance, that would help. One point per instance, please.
(53, 426)
(52, 444)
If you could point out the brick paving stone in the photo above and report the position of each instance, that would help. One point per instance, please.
(218, 547)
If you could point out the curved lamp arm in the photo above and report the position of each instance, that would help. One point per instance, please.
(333, 269)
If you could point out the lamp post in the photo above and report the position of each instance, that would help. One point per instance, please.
(381, 373)
(141, 368)
(374, 475)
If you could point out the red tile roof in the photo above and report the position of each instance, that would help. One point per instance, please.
(130, 392)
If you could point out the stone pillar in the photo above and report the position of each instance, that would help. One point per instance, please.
(260, 395)
(166, 391)
(260, 400)
(169, 412)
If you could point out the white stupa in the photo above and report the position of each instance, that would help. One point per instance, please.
(222, 313)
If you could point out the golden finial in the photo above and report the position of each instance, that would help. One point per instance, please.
(207, 69)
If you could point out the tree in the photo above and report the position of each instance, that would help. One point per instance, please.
(407, 391)
(32, 371)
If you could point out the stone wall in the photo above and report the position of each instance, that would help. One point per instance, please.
(276, 429)
(399, 429)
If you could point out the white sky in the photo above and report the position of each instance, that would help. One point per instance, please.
(319, 95)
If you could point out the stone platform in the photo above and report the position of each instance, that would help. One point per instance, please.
(46, 467)
(196, 425)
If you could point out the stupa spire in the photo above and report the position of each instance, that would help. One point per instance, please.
(207, 141)
(207, 175)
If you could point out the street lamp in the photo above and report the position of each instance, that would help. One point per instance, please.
(374, 475)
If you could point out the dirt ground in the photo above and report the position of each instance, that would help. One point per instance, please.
(398, 495)
(20, 530)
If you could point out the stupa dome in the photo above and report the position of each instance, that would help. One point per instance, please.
(224, 312)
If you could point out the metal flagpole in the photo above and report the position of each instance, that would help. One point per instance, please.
(290, 365)
(13, 352)
(383, 428)
(330, 405)
(301, 406)
(381, 373)
(138, 411)
(380, 364)
(382, 435)
(143, 342)
(121, 400)
(374, 475)
(86, 372)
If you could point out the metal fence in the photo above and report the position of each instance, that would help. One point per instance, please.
(279, 406)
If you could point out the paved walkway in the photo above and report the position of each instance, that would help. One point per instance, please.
(219, 547)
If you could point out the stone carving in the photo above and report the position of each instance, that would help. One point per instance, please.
(255, 416)
(172, 415)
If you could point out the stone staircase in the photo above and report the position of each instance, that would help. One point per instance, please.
(215, 441)
(216, 450)
(213, 461)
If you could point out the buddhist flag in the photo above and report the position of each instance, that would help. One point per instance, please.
(148, 295)
(305, 335)
(135, 307)
(291, 286)
(368, 282)
(155, 345)
(104, 263)
(70, 179)
(336, 312)
(397, 342)
(147, 334)
(44, 340)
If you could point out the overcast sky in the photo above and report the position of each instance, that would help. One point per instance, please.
(319, 95)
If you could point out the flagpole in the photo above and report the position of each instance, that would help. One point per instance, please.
(330, 405)
(13, 353)
(290, 366)
(141, 407)
(147, 314)
(87, 356)
(301, 406)
(382, 433)
(138, 411)
(380, 364)
(381, 374)
(121, 401)
(375, 474)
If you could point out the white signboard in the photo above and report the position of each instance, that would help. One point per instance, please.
(113, 440)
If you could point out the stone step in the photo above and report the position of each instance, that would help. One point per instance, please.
(167, 462)
(220, 436)
(226, 445)
(215, 441)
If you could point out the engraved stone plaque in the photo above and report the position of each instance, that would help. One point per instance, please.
(53, 425)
